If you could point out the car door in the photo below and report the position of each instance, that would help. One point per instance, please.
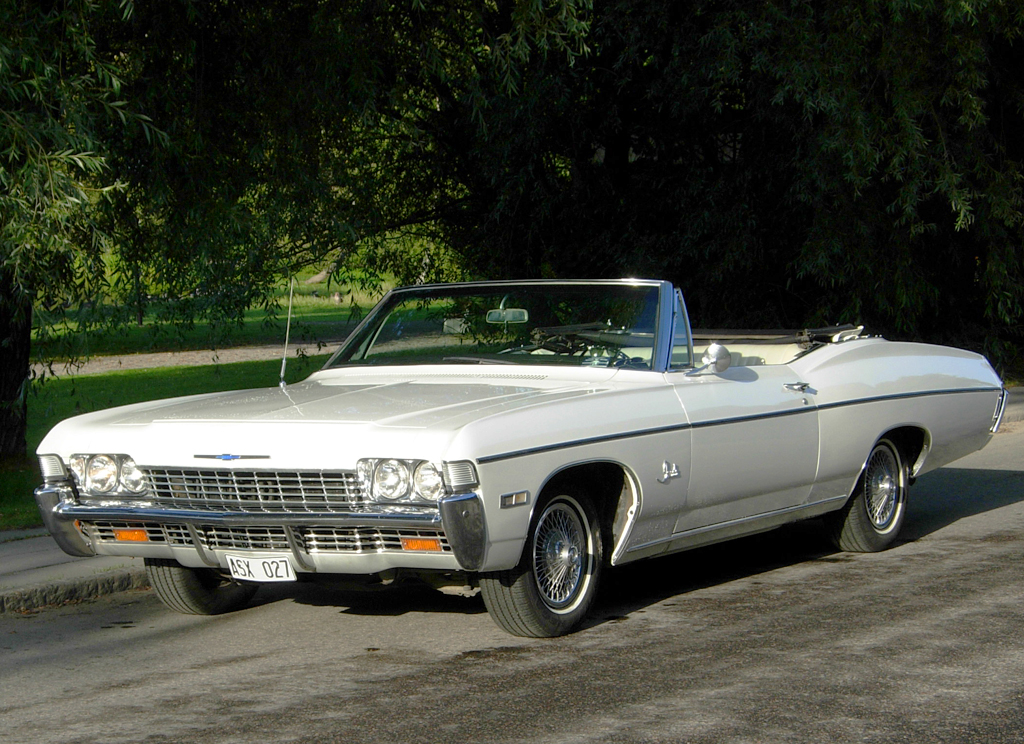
(754, 451)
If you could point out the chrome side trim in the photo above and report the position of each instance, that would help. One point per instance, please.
(904, 396)
(723, 422)
(814, 506)
(580, 442)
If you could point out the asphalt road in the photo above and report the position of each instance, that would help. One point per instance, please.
(776, 638)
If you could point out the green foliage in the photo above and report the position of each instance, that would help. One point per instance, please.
(55, 91)
(297, 138)
(786, 163)
(315, 320)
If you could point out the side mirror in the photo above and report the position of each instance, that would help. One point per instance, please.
(716, 358)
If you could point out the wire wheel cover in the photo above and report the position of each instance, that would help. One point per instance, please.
(883, 487)
(560, 553)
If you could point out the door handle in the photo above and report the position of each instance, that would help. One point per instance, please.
(796, 387)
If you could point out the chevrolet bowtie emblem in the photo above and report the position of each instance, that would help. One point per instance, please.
(231, 457)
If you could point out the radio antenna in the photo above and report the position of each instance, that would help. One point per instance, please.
(287, 330)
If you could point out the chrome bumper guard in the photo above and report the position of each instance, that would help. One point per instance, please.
(460, 517)
(463, 518)
(997, 416)
(51, 499)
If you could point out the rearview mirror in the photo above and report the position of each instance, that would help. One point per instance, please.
(508, 315)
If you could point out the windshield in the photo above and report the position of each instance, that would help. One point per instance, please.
(598, 325)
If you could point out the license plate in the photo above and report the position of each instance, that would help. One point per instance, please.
(248, 568)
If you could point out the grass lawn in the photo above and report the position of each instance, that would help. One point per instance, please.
(57, 399)
(313, 319)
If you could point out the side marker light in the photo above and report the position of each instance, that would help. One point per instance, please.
(509, 500)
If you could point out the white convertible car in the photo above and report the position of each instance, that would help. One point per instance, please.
(515, 438)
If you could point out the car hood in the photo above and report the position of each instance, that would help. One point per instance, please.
(421, 402)
(331, 416)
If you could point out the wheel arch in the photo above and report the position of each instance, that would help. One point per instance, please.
(913, 443)
(614, 490)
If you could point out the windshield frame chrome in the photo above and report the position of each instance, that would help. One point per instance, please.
(366, 331)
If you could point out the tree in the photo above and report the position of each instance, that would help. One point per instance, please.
(788, 164)
(55, 91)
(292, 137)
(301, 132)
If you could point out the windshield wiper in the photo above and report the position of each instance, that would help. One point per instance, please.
(476, 360)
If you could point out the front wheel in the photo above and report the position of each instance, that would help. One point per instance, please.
(872, 518)
(196, 591)
(551, 589)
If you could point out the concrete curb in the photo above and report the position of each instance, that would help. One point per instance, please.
(36, 573)
(72, 590)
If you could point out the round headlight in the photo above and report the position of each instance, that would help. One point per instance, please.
(428, 481)
(101, 474)
(131, 477)
(390, 480)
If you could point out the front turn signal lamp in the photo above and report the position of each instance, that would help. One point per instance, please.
(422, 544)
(131, 534)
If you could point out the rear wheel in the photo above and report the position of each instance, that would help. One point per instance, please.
(551, 589)
(196, 591)
(872, 518)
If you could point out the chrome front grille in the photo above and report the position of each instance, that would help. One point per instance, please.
(363, 539)
(243, 538)
(312, 539)
(276, 491)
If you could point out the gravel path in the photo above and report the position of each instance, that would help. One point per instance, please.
(100, 364)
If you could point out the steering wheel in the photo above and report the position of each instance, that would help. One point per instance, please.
(603, 356)
(562, 344)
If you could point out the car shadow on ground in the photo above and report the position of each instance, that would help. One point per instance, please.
(937, 500)
(370, 599)
(945, 496)
(636, 586)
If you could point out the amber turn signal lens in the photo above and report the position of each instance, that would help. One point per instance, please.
(421, 543)
(131, 535)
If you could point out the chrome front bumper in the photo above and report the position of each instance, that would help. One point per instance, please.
(459, 518)
(51, 499)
